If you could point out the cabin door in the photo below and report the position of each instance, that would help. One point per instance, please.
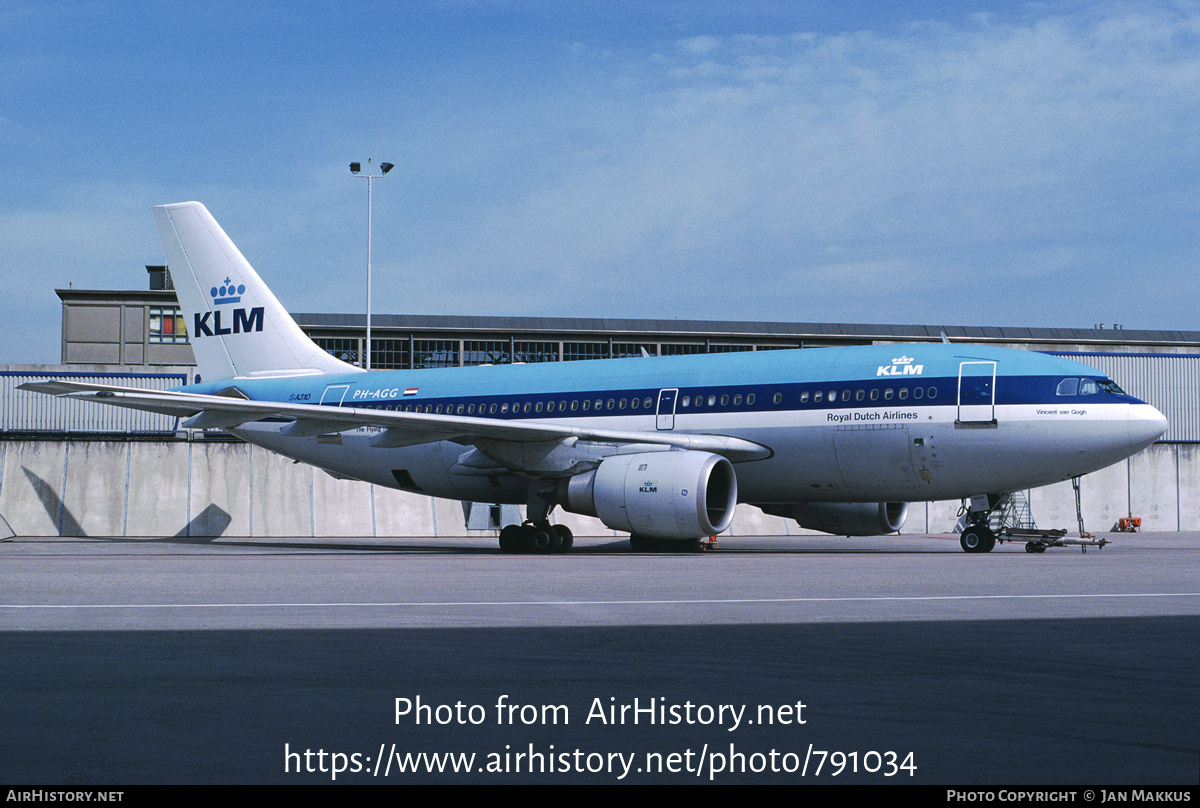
(334, 394)
(977, 392)
(666, 408)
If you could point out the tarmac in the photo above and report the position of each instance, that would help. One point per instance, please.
(792, 660)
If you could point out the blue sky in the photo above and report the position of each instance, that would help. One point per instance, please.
(1026, 164)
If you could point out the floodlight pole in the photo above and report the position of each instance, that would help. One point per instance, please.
(355, 169)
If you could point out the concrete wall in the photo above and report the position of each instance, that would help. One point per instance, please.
(175, 488)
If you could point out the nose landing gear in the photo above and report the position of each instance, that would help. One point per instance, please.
(977, 538)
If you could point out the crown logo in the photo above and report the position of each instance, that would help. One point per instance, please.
(228, 293)
(902, 360)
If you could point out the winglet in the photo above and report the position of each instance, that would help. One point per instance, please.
(238, 328)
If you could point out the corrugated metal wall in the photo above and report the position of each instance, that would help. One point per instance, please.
(1171, 382)
(26, 413)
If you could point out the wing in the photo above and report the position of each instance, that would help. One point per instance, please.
(520, 445)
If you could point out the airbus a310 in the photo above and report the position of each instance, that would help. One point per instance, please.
(664, 448)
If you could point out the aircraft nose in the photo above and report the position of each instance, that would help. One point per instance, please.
(1146, 425)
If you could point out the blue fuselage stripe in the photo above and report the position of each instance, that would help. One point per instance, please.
(734, 383)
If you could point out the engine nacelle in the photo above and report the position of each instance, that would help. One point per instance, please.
(850, 518)
(671, 495)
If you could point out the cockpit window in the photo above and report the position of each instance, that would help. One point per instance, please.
(1087, 387)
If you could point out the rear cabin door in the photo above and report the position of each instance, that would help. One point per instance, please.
(334, 394)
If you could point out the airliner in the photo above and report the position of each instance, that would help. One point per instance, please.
(663, 448)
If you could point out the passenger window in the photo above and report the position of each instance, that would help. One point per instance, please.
(845, 395)
(833, 395)
(778, 397)
(874, 393)
(647, 402)
(737, 400)
(932, 392)
(575, 405)
(611, 404)
(1068, 387)
(587, 404)
(804, 397)
(712, 400)
(621, 404)
(504, 408)
(918, 392)
(903, 392)
(859, 395)
(686, 401)
(817, 396)
(724, 401)
(749, 399)
(537, 407)
(887, 394)
(492, 409)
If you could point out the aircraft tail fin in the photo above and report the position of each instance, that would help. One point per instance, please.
(237, 327)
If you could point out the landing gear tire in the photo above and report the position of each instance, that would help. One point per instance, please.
(543, 538)
(977, 539)
(568, 538)
(511, 539)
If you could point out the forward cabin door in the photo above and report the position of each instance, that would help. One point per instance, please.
(977, 392)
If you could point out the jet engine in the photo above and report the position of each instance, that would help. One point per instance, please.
(846, 518)
(671, 495)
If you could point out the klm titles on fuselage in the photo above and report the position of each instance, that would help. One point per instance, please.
(901, 366)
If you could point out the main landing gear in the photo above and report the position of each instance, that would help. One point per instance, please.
(541, 538)
(536, 536)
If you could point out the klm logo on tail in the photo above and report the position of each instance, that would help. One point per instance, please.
(244, 320)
